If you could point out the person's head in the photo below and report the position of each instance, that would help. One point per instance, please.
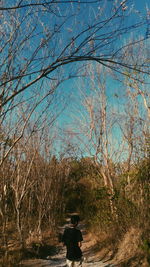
(75, 220)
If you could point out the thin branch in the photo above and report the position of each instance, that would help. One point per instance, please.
(49, 3)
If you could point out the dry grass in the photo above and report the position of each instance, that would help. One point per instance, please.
(124, 252)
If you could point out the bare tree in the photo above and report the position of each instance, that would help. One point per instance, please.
(42, 46)
(92, 126)
(44, 43)
(40, 38)
(134, 119)
(16, 118)
(109, 125)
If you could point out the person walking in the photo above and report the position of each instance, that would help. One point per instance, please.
(72, 239)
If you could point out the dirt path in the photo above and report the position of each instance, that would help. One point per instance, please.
(91, 259)
(59, 261)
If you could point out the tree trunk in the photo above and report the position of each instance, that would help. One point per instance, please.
(19, 227)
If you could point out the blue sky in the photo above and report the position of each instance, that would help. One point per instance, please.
(68, 91)
(115, 91)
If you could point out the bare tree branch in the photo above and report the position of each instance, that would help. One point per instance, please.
(47, 3)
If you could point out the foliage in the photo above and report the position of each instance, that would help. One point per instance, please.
(57, 187)
(42, 47)
(146, 248)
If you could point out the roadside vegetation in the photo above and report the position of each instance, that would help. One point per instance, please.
(74, 126)
(59, 187)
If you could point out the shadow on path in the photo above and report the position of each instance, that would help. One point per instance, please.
(58, 260)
